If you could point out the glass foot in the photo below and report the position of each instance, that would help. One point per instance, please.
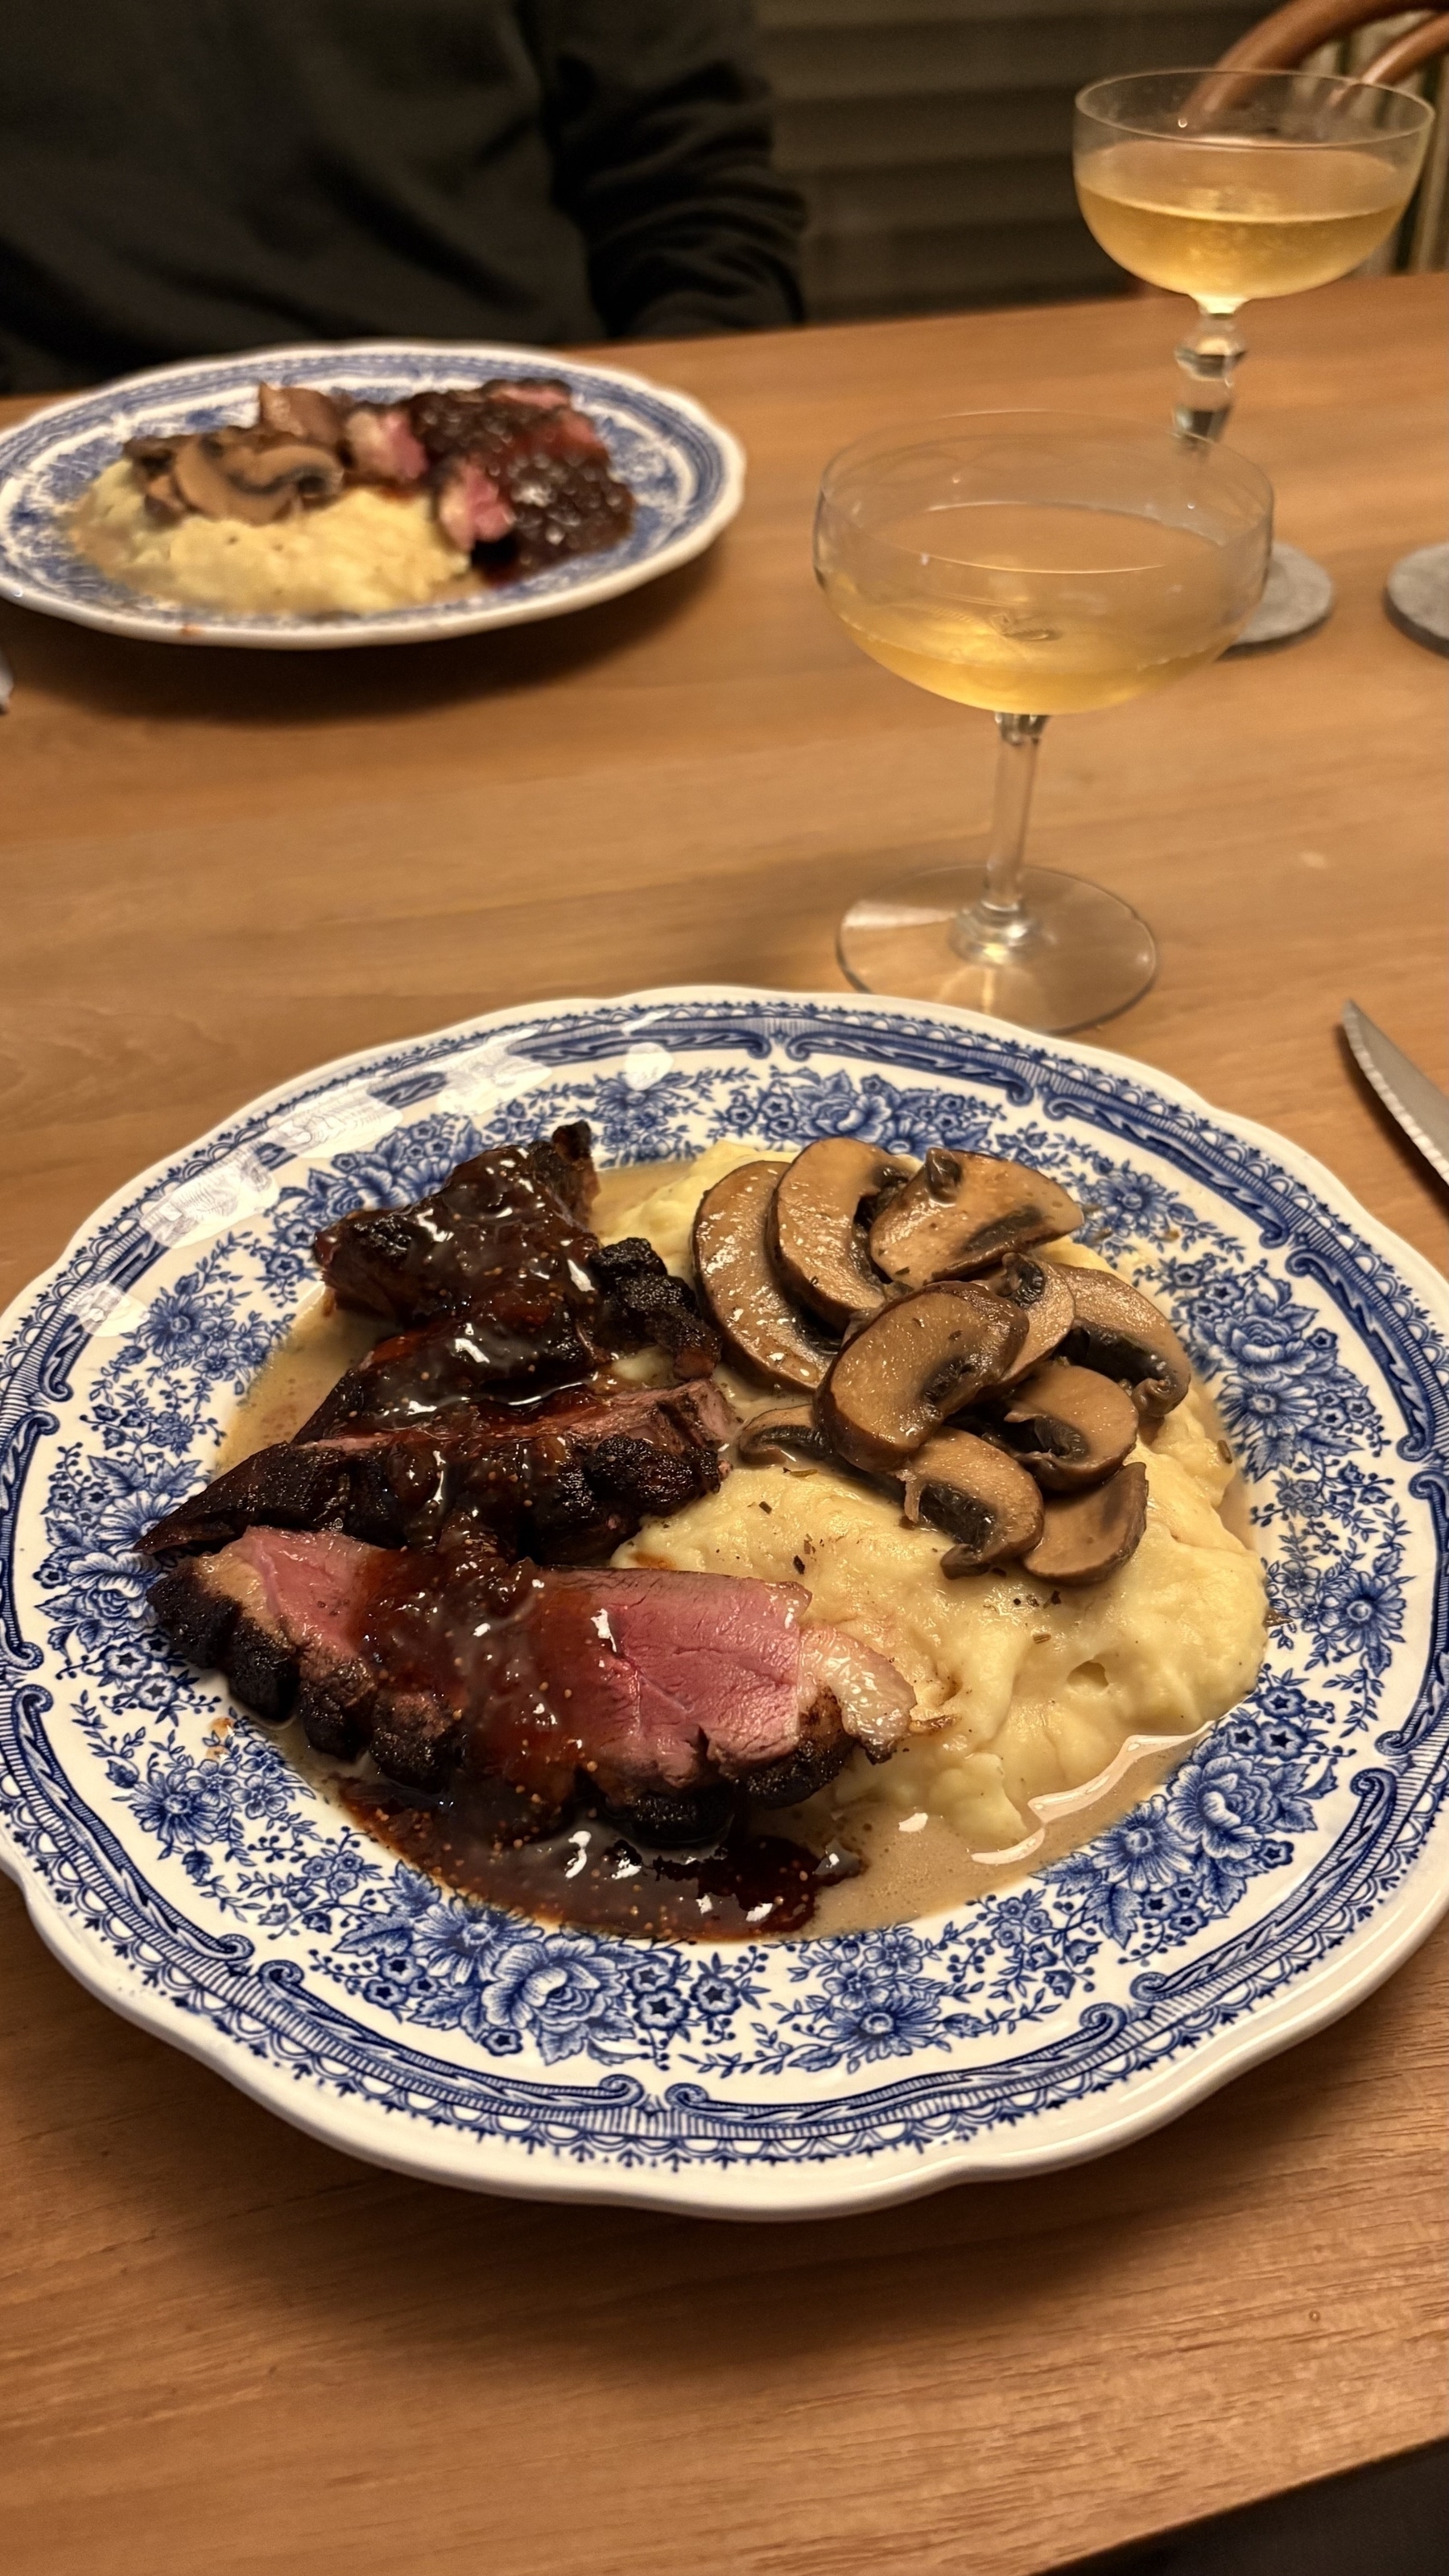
(1298, 598)
(1080, 954)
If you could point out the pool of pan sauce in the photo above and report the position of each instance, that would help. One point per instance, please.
(913, 1865)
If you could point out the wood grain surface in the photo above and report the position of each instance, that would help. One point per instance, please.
(225, 2348)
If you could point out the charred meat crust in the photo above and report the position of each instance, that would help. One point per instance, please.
(643, 1302)
(568, 1479)
(496, 1282)
(518, 1348)
(516, 1211)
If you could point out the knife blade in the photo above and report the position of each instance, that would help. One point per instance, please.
(1408, 1095)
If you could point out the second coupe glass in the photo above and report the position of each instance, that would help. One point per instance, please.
(1030, 563)
(1233, 184)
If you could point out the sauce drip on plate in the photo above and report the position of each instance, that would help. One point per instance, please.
(589, 1874)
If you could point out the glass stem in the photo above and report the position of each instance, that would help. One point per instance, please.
(1207, 361)
(1000, 903)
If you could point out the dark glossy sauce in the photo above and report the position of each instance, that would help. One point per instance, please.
(588, 1874)
(507, 1231)
(550, 464)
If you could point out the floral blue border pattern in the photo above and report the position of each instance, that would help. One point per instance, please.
(190, 1845)
(672, 462)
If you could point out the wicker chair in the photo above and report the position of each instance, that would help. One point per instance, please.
(1285, 40)
(1417, 594)
(1290, 35)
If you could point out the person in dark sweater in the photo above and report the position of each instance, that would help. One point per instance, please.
(184, 177)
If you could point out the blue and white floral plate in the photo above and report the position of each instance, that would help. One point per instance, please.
(686, 473)
(193, 1879)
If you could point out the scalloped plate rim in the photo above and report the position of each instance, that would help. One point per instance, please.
(781, 2191)
(143, 624)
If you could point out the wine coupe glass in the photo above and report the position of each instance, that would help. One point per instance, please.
(1030, 563)
(1230, 184)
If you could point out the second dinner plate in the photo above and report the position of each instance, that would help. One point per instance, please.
(194, 1879)
(686, 474)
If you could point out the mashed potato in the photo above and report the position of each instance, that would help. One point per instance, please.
(1025, 1693)
(369, 550)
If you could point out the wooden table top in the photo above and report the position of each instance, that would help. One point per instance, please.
(228, 2348)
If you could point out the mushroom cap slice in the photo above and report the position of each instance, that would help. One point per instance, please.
(253, 475)
(817, 1237)
(1069, 1426)
(1088, 1536)
(761, 1330)
(150, 454)
(978, 1495)
(962, 1212)
(1119, 1332)
(302, 412)
(920, 1359)
(1040, 1289)
(199, 472)
(163, 501)
(299, 467)
(781, 1433)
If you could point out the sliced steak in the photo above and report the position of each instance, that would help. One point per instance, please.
(381, 446)
(541, 458)
(521, 1345)
(558, 1480)
(665, 1699)
(502, 1244)
(515, 1212)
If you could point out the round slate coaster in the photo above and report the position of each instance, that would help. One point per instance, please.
(1297, 599)
(1416, 597)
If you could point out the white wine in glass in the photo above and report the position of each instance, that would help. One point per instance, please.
(1033, 564)
(1036, 608)
(1232, 184)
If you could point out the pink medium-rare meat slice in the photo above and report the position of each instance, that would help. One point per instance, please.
(652, 1686)
(282, 1616)
(681, 1673)
(471, 509)
(381, 444)
(286, 1615)
(663, 1697)
(532, 393)
(561, 1479)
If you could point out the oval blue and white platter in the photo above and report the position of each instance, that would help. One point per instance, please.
(687, 475)
(192, 1877)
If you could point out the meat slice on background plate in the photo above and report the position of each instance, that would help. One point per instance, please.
(570, 1475)
(664, 1699)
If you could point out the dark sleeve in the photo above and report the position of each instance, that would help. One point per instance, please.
(659, 124)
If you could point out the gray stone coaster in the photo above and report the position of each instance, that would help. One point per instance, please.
(1297, 599)
(1416, 597)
